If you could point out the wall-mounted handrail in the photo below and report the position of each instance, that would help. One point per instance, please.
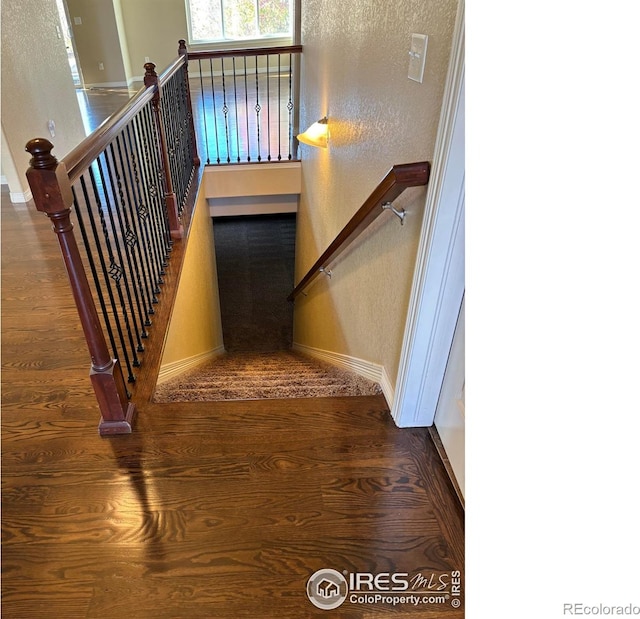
(399, 178)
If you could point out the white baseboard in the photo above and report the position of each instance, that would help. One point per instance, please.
(175, 368)
(17, 197)
(3, 180)
(366, 369)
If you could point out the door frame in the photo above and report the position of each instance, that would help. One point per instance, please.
(439, 279)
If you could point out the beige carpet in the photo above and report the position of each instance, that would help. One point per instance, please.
(251, 376)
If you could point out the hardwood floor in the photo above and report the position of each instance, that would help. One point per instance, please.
(209, 509)
(97, 104)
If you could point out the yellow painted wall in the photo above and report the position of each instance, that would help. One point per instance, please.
(195, 327)
(354, 70)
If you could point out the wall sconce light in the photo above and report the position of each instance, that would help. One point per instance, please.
(317, 134)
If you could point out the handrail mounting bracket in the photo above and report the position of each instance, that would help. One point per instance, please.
(400, 213)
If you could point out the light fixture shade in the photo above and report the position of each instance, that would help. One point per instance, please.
(317, 134)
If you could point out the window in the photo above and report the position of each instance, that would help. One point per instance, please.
(233, 20)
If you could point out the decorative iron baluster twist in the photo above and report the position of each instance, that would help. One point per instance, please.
(215, 114)
(258, 108)
(225, 110)
(290, 106)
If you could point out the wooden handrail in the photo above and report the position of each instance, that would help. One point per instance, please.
(258, 51)
(399, 178)
(78, 159)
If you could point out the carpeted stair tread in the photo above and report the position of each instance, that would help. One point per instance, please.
(248, 376)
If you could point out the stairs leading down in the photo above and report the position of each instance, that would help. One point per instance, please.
(273, 375)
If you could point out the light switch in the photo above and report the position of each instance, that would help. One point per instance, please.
(417, 56)
(77, 21)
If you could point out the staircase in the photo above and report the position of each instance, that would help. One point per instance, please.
(272, 375)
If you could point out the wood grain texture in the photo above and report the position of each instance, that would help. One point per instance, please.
(218, 509)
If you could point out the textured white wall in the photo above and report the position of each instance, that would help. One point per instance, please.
(354, 69)
(36, 83)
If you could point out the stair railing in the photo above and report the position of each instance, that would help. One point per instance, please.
(245, 102)
(129, 184)
(399, 178)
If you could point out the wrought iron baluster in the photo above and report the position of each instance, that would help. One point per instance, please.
(246, 109)
(279, 110)
(111, 273)
(183, 147)
(258, 108)
(145, 207)
(179, 119)
(215, 113)
(139, 214)
(150, 194)
(189, 147)
(166, 110)
(120, 233)
(290, 106)
(117, 273)
(225, 109)
(204, 111)
(132, 236)
(155, 184)
(235, 102)
(268, 112)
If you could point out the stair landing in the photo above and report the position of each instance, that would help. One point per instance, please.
(274, 375)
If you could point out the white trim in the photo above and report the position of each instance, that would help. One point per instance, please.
(3, 180)
(361, 367)
(438, 282)
(17, 197)
(106, 85)
(252, 205)
(175, 368)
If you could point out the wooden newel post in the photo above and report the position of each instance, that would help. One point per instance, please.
(182, 51)
(171, 202)
(52, 195)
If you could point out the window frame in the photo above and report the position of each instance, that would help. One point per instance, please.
(262, 41)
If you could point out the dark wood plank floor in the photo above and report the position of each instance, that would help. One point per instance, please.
(208, 509)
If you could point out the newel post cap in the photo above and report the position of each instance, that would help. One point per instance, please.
(41, 157)
(48, 178)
